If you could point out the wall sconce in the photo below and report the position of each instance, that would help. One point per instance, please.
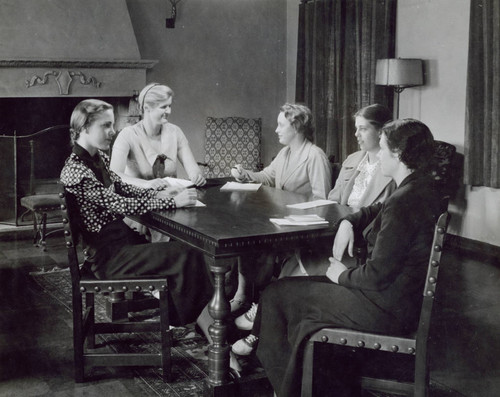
(399, 74)
(170, 22)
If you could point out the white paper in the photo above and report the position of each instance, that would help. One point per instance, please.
(305, 218)
(178, 182)
(289, 222)
(251, 187)
(310, 204)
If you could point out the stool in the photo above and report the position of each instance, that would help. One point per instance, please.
(39, 205)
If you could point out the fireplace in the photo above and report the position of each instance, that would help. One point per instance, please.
(53, 54)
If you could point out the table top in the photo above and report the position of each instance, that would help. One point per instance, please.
(234, 222)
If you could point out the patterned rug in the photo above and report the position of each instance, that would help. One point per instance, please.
(189, 353)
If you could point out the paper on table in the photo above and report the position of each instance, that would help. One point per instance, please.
(290, 222)
(199, 204)
(178, 182)
(311, 204)
(251, 187)
(305, 218)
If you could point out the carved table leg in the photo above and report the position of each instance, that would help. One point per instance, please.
(219, 308)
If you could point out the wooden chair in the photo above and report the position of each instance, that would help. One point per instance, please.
(85, 328)
(230, 141)
(48, 149)
(413, 345)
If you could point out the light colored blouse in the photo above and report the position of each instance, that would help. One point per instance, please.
(134, 144)
(362, 181)
(309, 175)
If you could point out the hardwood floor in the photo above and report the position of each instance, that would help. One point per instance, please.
(36, 350)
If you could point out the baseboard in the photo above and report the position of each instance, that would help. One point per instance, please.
(478, 248)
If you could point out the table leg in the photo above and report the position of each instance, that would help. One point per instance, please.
(219, 308)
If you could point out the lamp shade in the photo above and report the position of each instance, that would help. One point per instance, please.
(399, 72)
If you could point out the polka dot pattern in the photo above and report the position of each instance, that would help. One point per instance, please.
(100, 205)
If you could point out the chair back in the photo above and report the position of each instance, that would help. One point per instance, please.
(71, 235)
(432, 277)
(230, 141)
(444, 169)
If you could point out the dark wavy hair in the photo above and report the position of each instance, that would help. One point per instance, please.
(300, 117)
(413, 141)
(376, 114)
(84, 114)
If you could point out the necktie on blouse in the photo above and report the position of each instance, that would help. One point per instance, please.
(159, 166)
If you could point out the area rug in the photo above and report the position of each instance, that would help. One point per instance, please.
(189, 358)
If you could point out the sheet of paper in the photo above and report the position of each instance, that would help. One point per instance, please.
(305, 218)
(199, 204)
(289, 222)
(178, 182)
(310, 204)
(250, 187)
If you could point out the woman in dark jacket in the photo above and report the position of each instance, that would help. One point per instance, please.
(382, 295)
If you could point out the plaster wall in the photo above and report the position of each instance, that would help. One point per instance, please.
(223, 58)
(437, 31)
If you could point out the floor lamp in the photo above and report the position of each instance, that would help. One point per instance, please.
(399, 74)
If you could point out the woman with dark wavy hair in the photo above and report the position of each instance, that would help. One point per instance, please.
(382, 295)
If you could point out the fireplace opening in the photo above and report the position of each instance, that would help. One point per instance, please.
(34, 143)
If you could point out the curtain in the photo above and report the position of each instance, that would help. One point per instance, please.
(339, 42)
(482, 117)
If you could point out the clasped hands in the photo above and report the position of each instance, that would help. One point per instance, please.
(344, 239)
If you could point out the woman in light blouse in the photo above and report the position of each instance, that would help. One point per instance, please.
(144, 153)
(360, 182)
(300, 167)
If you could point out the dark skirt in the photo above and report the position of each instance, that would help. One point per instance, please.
(295, 307)
(123, 253)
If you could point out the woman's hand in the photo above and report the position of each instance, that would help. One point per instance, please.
(198, 179)
(157, 183)
(343, 239)
(334, 271)
(170, 192)
(186, 198)
(239, 173)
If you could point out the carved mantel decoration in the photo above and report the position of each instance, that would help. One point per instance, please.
(102, 76)
(64, 79)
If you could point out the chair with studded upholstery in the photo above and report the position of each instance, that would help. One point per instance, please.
(411, 346)
(230, 141)
(85, 327)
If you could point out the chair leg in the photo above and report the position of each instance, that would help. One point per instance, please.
(166, 338)
(78, 337)
(43, 233)
(35, 228)
(421, 375)
(90, 320)
(307, 370)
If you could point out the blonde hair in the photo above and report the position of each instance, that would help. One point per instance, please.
(153, 94)
(84, 114)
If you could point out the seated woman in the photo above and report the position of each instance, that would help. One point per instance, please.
(103, 200)
(300, 167)
(148, 151)
(360, 182)
(382, 295)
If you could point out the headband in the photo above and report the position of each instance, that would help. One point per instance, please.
(146, 93)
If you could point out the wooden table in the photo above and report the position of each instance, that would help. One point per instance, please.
(234, 223)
